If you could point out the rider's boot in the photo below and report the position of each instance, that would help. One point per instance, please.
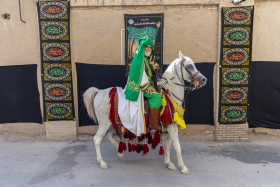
(154, 119)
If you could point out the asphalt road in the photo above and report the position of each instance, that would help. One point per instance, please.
(73, 163)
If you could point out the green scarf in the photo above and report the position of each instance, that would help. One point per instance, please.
(136, 70)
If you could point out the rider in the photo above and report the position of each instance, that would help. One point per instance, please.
(140, 79)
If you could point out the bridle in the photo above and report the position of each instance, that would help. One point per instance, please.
(182, 80)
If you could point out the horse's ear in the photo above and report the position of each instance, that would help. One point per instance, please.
(181, 56)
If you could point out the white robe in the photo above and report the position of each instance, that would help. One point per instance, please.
(132, 113)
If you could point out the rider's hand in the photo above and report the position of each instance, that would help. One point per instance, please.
(151, 89)
(156, 66)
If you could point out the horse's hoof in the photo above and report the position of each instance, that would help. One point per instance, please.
(103, 165)
(185, 171)
(171, 167)
(120, 155)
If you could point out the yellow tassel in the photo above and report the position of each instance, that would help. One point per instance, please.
(179, 120)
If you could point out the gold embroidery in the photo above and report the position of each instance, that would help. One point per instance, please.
(148, 67)
(151, 92)
(132, 86)
(145, 86)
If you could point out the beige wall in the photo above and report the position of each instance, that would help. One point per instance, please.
(266, 39)
(19, 44)
(96, 37)
(96, 32)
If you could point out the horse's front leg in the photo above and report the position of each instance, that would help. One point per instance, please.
(173, 133)
(167, 154)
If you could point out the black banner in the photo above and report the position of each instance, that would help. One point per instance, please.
(236, 50)
(199, 103)
(265, 95)
(19, 94)
(54, 32)
(139, 26)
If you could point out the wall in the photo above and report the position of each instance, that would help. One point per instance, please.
(96, 34)
(190, 26)
(266, 40)
(20, 45)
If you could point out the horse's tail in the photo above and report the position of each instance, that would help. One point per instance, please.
(88, 97)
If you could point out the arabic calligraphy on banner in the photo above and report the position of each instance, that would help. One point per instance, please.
(235, 64)
(56, 59)
(139, 26)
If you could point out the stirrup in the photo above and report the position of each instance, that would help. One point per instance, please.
(163, 128)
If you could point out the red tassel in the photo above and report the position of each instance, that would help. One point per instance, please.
(150, 138)
(141, 137)
(129, 146)
(154, 145)
(161, 151)
(133, 147)
(146, 149)
(124, 146)
(157, 137)
(138, 148)
(125, 135)
(120, 149)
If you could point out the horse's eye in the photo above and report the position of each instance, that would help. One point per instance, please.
(190, 66)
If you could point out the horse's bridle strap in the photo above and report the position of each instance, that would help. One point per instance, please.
(193, 79)
(176, 97)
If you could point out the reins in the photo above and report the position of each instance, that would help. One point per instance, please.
(182, 81)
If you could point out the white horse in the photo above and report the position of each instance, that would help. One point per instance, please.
(98, 107)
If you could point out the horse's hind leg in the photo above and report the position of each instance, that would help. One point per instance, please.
(102, 108)
(115, 143)
(173, 133)
(97, 140)
(167, 154)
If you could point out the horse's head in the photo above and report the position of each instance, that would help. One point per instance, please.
(190, 73)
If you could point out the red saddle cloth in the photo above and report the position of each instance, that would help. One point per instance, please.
(166, 116)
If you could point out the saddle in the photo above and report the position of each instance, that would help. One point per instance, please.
(166, 110)
(170, 112)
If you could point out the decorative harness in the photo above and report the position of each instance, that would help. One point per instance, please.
(182, 80)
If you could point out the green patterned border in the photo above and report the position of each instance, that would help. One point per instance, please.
(59, 111)
(57, 72)
(54, 30)
(236, 36)
(233, 114)
(235, 76)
